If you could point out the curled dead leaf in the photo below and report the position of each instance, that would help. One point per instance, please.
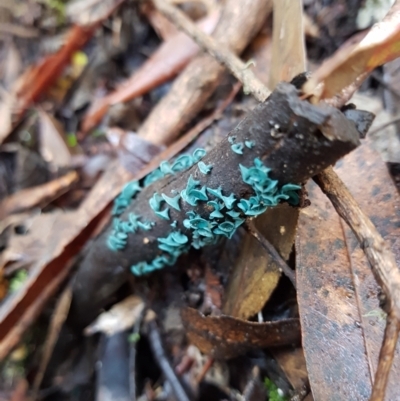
(120, 317)
(225, 337)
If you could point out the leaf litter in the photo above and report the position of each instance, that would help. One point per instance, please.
(248, 308)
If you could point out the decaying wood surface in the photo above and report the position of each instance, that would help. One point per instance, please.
(288, 139)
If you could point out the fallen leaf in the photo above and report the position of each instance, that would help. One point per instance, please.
(288, 47)
(89, 12)
(122, 316)
(12, 64)
(39, 195)
(167, 61)
(255, 274)
(133, 151)
(350, 63)
(38, 78)
(53, 147)
(160, 24)
(24, 249)
(50, 252)
(20, 391)
(6, 102)
(260, 54)
(213, 291)
(342, 323)
(382, 133)
(292, 362)
(225, 337)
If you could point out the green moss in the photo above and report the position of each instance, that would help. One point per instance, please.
(274, 394)
(18, 280)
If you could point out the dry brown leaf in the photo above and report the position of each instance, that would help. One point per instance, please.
(166, 62)
(89, 12)
(6, 102)
(53, 146)
(255, 274)
(342, 323)
(350, 63)
(225, 337)
(160, 24)
(37, 79)
(50, 249)
(259, 51)
(20, 391)
(23, 250)
(385, 140)
(133, 151)
(12, 64)
(292, 362)
(39, 195)
(122, 316)
(288, 48)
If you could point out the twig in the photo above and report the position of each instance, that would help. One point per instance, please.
(394, 120)
(223, 55)
(162, 360)
(133, 353)
(191, 135)
(386, 356)
(39, 195)
(253, 386)
(206, 368)
(57, 320)
(252, 229)
(375, 74)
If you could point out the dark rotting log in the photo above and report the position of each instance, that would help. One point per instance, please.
(292, 137)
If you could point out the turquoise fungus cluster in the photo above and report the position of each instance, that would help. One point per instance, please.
(226, 212)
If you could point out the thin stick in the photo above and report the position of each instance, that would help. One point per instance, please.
(386, 358)
(394, 120)
(160, 356)
(57, 320)
(283, 267)
(251, 84)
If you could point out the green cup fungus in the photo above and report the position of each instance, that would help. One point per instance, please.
(226, 215)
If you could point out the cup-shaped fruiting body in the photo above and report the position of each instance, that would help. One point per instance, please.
(280, 144)
(226, 215)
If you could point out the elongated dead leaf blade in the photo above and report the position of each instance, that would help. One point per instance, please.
(342, 323)
(288, 49)
(166, 62)
(380, 45)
